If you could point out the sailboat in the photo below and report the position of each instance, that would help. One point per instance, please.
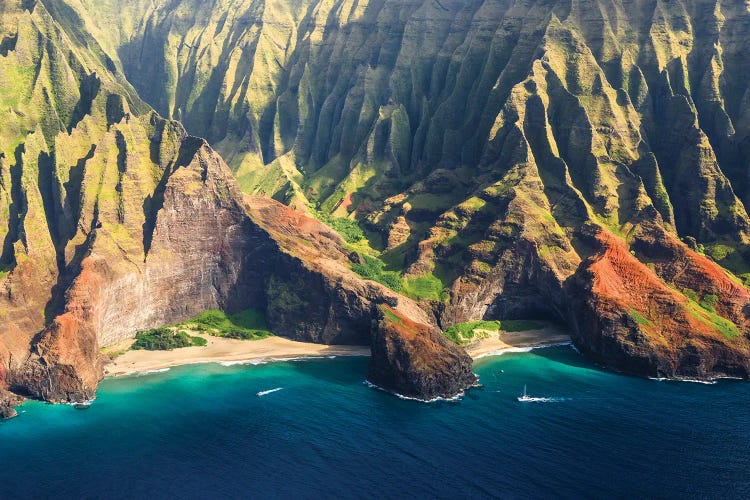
(526, 398)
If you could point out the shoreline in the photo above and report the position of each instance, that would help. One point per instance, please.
(222, 350)
(232, 351)
(498, 343)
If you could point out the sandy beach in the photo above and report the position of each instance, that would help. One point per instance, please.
(223, 350)
(497, 342)
(231, 350)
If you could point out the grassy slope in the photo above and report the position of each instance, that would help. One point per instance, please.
(246, 325)
(466, 333)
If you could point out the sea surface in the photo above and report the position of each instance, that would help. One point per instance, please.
(202, 432)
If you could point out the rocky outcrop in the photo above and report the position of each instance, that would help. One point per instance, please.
(8, 401)
(627, 317)
(416, 361)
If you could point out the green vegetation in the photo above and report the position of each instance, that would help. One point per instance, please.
(690, 294)
(728, 329)
(246, 325)
(391, 316)
(704, 310)
(374, 269)
(719, 252)
(731, 259)
(347, 228)
(639, 318)
(165, 339)
(428, 286)
(465, 333)
(709, 302)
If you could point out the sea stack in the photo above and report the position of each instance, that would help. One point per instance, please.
(416, 361)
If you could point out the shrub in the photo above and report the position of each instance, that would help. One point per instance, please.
(465, 333)
(249, 324)
(428, 286)
(165, 339)
(347, 228)
(374, 269)
(709, 302)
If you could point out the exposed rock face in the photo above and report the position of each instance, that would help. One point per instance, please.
(209, 249)
(307, 288)
(629, 319)
(416, 360)
(7, 402)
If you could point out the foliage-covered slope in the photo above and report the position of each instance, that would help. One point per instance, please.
(477, 138)
(324, 101)
(356, 88)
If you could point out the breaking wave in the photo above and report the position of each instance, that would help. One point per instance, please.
(508, 350)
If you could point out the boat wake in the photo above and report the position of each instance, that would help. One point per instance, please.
(525, 398)
(265, 393)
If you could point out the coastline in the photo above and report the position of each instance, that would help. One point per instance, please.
(222, 350)
(497, 343)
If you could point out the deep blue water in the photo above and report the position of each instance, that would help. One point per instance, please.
(201, 432)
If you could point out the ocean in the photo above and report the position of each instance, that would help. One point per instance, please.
(202, 432)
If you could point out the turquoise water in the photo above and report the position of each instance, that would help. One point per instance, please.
(201, 431)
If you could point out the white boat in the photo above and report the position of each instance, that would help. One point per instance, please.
(263, 393)
(526, 398)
